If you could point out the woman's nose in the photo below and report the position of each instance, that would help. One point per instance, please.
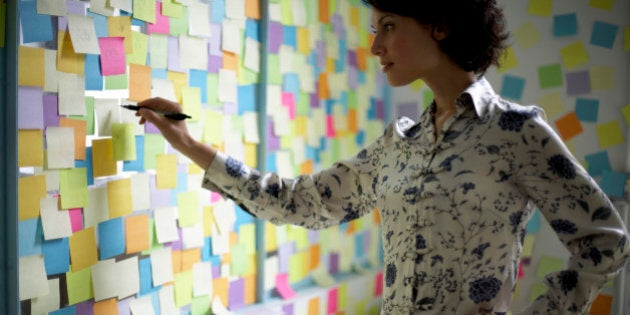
(376, 48)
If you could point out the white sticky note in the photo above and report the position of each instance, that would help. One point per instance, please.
(198, 17)
(250, 122)
(32, 277)
(166, 224)
(60, 147)
(252, 54)
(106, 113)
(140, 192)
(97, 208)
(231, 39)
(55, 222)
(220, 242)
(112, 279)
(83, 34)
(167, 300)
(298, 149)
(271, 270)
(163, 88)
(227, 86)
(193, 53)
(281, 122)
(284, 164)
(52, 7)
(202, 279)
(218, 307)
(71, 94)
(49, 302)
(161, 266)
(235, 9)
(101, 7)
(125, 5)
(51, 75)
(142, 305)
(193, 236)
(285, 56)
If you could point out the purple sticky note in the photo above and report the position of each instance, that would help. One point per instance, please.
(380, 109)
(51, 119)
(273, 142)
(230, 108)
(578, 82)
(236, 298)
(353, 78)
(151, 128)
(314, 99)
(338, 28)
(333, 266)
(123, 306)
(85, 308)
(30, 108)
(214, 63)
(159, 197)
(215, 40)
(75, 7)
(312, 236)
(320, 52)
(275, 37)
(284, 253)
(287, 309)
(173, 55)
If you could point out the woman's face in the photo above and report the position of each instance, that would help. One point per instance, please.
(405, 48)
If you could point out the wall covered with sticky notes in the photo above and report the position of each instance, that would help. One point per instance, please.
(572, 58)
(112, 220)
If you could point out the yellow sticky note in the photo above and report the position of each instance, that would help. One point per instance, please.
(188, 206)
(172, 9)
(138, 55)
(119, 198)
(79, 286)
(552, 104)
(238, 262)
(508, 60)
(536, 290)
(602, 4)
(574, 55)
(313, 306)
(184, 288)
(191, 102)
(136, 233)
(213, 128)
(145, 10)
(417, 85)
(124, 142)
(528, 245)
(120, 26)
(80, 131)
(271, 242)
(247, 237)
(103, 163)
(303, 41)
(251, 152)
(626, 39)
(602, 77)
(166, 171)
(527, 35)
(626, 113)
(67, 60)
(73, 188)
(31, 66)
(540, 7)
(30, 148)
(609, 134)
(549, 264)
(83, 252)
(180, 80)
(30, 190)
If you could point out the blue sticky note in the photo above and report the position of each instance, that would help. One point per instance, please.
(138, 163)
(270, 162)
(69, 310)
(342, 61)
(358, 245)
(613, 183)
(289, 36)
(93, 76)
(534, 223)
(56, 256)
(206, 250)
(291, 83)
(512, 87)
(604, 34)
(242, 217)
(158, 73)
(587, 109)
(246, 98)
(30, 237)
(182, 182)
(100, 24)
(198, 78)
(598, 163)
(111, 236)
(217, 11)
(35, 27)
(252, 29)
(146, 280)
(565, 25)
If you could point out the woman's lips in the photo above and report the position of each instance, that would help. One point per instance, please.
(387, 66)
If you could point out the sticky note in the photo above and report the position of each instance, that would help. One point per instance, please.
(602, 4)
(60, 147)
(47, 303)
(35, 27)
(602, 78)
(540, 7)
(536, 290)
(111, 236)
(55, 222)
(120, 26)
(145, 10)
(613, 183)
(202, 279)
(549, 264)
(73, 187)
(626, 39)
(68, 60)
(79, 127)
(83, 252)
(550, 76)
(602, 304)
(30, 148)
(578, 82)
(161, 24)
(508, 60)
(166, 167)
(587, 109)
(569, 126)
(199, 15)
(30, 66)
(283, 287)
(136, 233)
(56, 256)
(72, 95)
(604, 34)
(106, 307)
(32, 277)
(512, 87)
(574, 55)
(79, 285)
(30, 190)
(123, 141)
(103, 162)
(83, 34)
(139, 82)
(112, 55)
(565, 25)
(609, 134)
(527, 35)
(183, 288)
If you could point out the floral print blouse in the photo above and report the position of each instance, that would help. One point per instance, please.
(454, 207)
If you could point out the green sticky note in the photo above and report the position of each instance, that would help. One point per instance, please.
(116, 82)
(191, 102)
(179, 25)
(286, 12)
(140, 44)
(188, 206)
(212, 84)
(89, 116)
(574, 55)
(73, 187)
(153, 243)
(239, 260)
(427, 98)
(273, 66)
(79, 286)
(550, 76)
(154, 144)
(296, 263)
(3, 18)
(201, 305)
(172, 9)
(183, 288)
(549, 264)
(602, 4)
(247, 237)
(144, 10)
(124, 141)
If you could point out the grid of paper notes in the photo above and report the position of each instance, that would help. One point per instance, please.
(112, 219)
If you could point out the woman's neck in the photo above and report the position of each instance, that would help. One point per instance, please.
(447, 87)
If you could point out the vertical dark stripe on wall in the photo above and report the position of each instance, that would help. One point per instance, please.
(262, 147)
(9, 299)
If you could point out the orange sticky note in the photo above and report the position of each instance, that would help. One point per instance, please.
(83, 252)
(324, 92)
(166, 171)
(601, 305)
(139, 82)
(31, 66)
(106, 307)
(30, 148)
(119, 198)
(324, 11)
(103, 163)
(250, 289)
(362, 58)
(353, 120)
(189, 258)
(67, 60)
(314, 256)
(230, 61)
(220, 288)
(313, 306)
(306, 167)
(569, 126)
(252, 9)
(80, 130)
(30, 190)
(176, 259)
(136, 233)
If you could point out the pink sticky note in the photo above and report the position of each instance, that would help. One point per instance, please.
(112, 55)
(76, 219)
(288, 101)
(332, 301)
(161, 25)
(282, 285)
(330, 127)
(521, 272)
(214, 197)
(378, 290)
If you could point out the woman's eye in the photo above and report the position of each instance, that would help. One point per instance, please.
(388, 27)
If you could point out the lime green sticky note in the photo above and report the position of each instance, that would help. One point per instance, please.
(89, 115)
(549, 264)
(183, 288)
(201, 305)
(191, 102)
(536, 290)
(239, 260)
(140, 45)
(212, 84)
(188, 206)
(296, 264)
(153, 242)
(154, 144)
(286, 12)
(574, 55)
(124, 141)
(73, 187)
(144, 10)
(550, 76)
(3, 17)
(602, 4)
(213, 132)
(427, 98)
(609, 134)
(273, 75)
(79, 286)
(359, 307)
(116, 82)
(342, 296)
(626, 113)
(172, 9)
(540, 7)
(179, 25)
(508, 60)
(247, 237)
(602, 77)
(626, 39)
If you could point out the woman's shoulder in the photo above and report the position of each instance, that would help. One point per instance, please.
(512, 116)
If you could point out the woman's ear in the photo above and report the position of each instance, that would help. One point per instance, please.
(439, 32)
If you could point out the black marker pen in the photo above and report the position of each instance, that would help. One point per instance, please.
(170, 115)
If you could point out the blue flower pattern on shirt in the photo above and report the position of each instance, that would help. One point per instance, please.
(454, 207)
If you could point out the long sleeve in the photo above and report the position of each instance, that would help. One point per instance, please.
(582, 216)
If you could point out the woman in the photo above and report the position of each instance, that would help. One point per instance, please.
(456, 189)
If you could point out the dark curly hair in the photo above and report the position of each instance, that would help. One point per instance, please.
(476, 29)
